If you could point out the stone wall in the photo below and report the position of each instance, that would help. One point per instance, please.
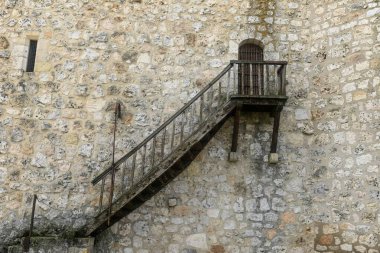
(152, 56)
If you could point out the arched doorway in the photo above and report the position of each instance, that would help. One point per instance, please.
(250, 75)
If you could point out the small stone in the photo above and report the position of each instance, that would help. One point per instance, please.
(217, 249)
(359, 95)
(198, 241)
(346, 247)
(229, 224)
(5, 54)
(288, 218)
(373, 12)
(4, 44)
(255, 216)
(39, 161)
(370, 240)
(330, 228)
(264, 205)
(302, 114)
(101, 37)
(91, 55)
(17, 135)
(278, 204)
(172, 202)
(232, 157)
(326, 240)
(361, 249)
(141, 228)
(213, 213)
(144, 58)
(86, 150)
(271, 233)
(273, 158)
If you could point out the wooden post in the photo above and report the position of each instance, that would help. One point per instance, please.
(235, 134)
(273, 157)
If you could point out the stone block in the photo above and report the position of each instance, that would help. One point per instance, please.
(172, 202)
(198, 241)
(233, 157)
(273, 158)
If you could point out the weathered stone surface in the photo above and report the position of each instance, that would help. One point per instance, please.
(198, 241)
(56, 124)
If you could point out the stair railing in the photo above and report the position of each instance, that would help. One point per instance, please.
(238, 78)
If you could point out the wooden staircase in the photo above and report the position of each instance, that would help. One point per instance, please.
(163, 155)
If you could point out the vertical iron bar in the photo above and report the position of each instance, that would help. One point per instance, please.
(235, 76)
(143, 160)
(283, 77)
(220, 94)
(267, 78)
(123, 177)
(111, 194)
(173, 136)
(260, 79)
(182, 127)
(153, 150)
(192, 113)
(201, 110)
(101, 195)
(242, 84)
(228, 84)
(133, 167)
(251, 83)
(117, 115)
(163, 145)
(211, 100)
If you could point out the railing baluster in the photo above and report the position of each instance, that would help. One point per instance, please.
(235, 89)
(123, 177)
(220, 94)
(191, 122)
(242, 84)
(260, 85)
(173, 136)
(101, 195)
(251, 89)
(143, 160)
(201, 110)
(211, 96)
(275, 81)
(267, 78)
(260, 79)
(133, 167)
(153, 151)
(283, 76)
(163, 145)
(228, 84)
(182, 127)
